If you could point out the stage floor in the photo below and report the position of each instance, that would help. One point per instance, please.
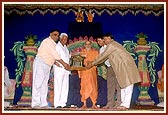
(138, 108)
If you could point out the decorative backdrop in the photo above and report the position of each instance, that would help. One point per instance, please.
(124, 21)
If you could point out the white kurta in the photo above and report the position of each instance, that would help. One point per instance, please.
(61, 77)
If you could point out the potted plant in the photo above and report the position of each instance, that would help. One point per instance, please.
(30, 40)
(141, 38)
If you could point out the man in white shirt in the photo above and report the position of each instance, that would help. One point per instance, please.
(61, 75)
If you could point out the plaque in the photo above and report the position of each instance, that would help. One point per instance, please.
(77, 62)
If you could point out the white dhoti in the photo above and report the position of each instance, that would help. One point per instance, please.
(126, 95)
(41, 73)
(61, 86)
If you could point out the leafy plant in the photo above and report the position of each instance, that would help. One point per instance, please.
(31, 36)
(141, 35)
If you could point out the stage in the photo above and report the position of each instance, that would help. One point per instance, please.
(136, 108)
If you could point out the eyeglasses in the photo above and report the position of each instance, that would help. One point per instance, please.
(56, 34)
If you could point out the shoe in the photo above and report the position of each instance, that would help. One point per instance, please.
(73, 106)
(66, 106)
(58, 107)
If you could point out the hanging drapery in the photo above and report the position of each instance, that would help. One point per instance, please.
(99, 9)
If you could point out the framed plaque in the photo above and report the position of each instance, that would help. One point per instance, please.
(77, 62)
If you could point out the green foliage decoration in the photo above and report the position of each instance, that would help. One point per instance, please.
(141, 35)
(20, 59)
(130, 46)
(153, 54)
(20, 56)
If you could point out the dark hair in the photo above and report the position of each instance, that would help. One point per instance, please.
(99, 36)
(108, 35)
(54, 30)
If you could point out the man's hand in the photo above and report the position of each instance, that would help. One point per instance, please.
(67, 66)
(89, 65)
(57, 64)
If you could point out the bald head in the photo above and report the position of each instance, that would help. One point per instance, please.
(88, 45)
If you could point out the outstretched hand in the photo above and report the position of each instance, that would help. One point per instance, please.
(57, 64)
(89, 65)
(67, 66)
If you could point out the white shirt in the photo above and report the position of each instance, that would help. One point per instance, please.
(107, 63)
(63, 52)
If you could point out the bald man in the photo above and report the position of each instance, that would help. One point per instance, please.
(61, 75)
(89, 77)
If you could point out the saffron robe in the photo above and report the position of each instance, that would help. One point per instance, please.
(89, 77)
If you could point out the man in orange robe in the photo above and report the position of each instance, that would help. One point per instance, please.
(88, 77)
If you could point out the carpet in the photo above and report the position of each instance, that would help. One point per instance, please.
(135, 108)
